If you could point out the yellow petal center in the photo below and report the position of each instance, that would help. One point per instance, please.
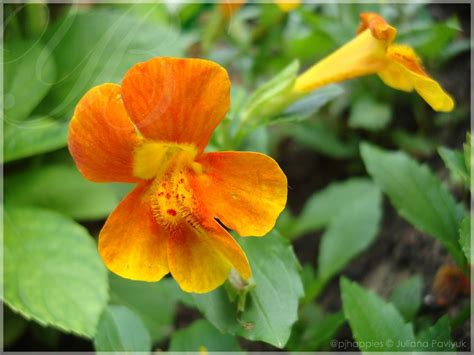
(170, 165)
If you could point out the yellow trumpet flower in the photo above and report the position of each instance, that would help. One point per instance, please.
(372, 52)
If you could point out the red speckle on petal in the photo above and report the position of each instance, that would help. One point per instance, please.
(171, 212)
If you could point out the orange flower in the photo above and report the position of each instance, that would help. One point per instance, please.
(152, 130)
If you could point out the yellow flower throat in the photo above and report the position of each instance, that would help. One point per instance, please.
(169, 165)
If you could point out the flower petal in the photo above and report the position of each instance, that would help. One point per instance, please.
(102, 136)
(131, 243)
(229, 8)
(246, 191)
(377, 25)
(201, 257)
(177, 100)
(287, 5)
(364, 55)
(405, 71)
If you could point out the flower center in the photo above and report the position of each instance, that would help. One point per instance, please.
(170, 165)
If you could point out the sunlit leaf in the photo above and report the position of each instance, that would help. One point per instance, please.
(53, 273)
(32, 137)
(375, 324)
(62, 188)
(271, 307)
(29, 73)
(456, 164)
(155, 303)
(121, 330)
(417, 194)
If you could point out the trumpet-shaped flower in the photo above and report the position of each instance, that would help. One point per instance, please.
(152, 130)
(372, 52)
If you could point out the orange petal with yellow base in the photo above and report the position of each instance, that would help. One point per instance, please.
(245, 190)
(177, 100)
(131, 243)
(102, 137)
(200, 257)
(405, 71)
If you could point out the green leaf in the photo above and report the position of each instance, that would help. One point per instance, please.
(99, 46)
(465, 237)
(456, 164)
(53, 273)
(29, 73)
(314, 329)
(321, 207)
(155, 303)
(319, 137)
(270, 98)
(61, 187)
(407, 297)
(121, 330)
(417, 194)
(351, 231)
(369, 114)
(202, 335)
(31, 137)
(375, 324)
(272, 304)
(437, 337)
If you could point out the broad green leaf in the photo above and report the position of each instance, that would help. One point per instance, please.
(53, 273)
(62, 188)
(31, 137)
(270, 98)
(155, 303)
(352, 229)
(272, 305)
(29, 73)
(465, 237)
(319, 137)
(14, 327)
(369, 114)
(456, 164)
(121, 330)
(99, 46)
(322, 207)
(437, 337)
(375, 324)
(314, 329)
(407, 297)
(202, 336)
(417, 194)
